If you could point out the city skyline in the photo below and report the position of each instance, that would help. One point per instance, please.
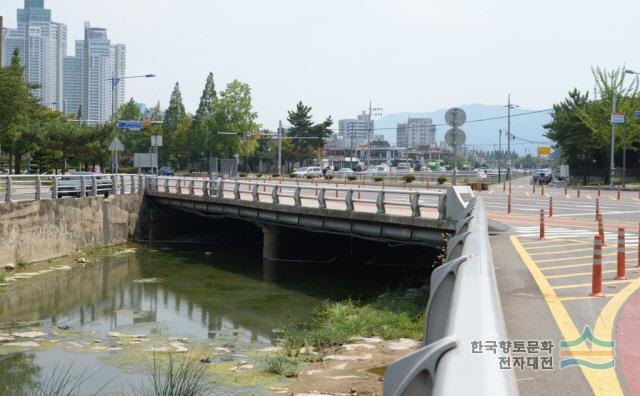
(335, 57)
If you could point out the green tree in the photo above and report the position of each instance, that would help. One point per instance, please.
(174, 114)
(313, 135)
(233, 112)
(207, 101)
(129, 111)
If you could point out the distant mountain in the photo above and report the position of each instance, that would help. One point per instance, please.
(482, 134)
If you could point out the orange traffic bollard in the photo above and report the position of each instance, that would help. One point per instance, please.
(618, 193)
(598, 190)
(509, 187)
(578, 194)
(601, 229)
(534, 189)
(550, 206)
(621, 259)
(504, 186)
(542, 191)
(596, 278)
(597, 208)
(508, 203)
(565, 190)
(541, 223)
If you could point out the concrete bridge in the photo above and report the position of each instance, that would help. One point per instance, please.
(463, 304)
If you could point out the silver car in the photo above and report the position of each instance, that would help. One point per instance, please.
(70, 185)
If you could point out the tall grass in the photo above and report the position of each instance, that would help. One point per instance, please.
(184, 378)
(60, 382)
(391, 316)
(278, 364)
(3, 276)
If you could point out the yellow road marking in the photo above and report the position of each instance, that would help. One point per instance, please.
(572, 251)
(554, 246)
(589, 264)
(567, 196)
(611, 282)
(541, 242)
(573, 258)
(601, 381)
(612, 198)
(589, 197)
(527, 194)
(577, 274)
(583, 297)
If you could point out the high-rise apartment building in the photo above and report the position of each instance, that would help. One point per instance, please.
(415, 133)
(355, 131)
(42, 45)
(89, 86)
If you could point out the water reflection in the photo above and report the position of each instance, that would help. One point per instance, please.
(225, 295)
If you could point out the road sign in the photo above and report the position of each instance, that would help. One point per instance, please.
(455, 137)
(116, 145)
(145, 160)
(617, 118)
(455, 117)
(156, 140)
(131, 125)
(636, 115)
(544, 150)
(555, 155)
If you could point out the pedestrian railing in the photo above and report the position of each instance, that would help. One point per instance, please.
(464, 307)
(37, 187)
(308, 195)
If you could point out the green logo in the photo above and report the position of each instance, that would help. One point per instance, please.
(599, 356)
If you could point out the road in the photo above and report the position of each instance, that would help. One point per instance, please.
(545, 284)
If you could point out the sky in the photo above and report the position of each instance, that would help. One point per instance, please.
(337, 55)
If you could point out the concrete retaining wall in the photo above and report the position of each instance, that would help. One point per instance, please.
(40, 230)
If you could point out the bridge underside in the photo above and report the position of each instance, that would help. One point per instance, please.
(387, 228)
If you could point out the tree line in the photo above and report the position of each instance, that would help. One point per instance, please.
(581, 123)
(225, 125)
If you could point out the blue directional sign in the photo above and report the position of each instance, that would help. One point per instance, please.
(555, 155)
(136, 125)
(617, 118)
(636, 115)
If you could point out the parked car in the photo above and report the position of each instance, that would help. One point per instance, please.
(344, 172)
(313, 171)
(166, 171)
(357, 168)
(70, 185)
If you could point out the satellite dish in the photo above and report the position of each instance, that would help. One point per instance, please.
(455, 117)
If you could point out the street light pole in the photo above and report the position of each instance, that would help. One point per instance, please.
(499, 155)
(613, 143)
(509, 107)
(280, 147)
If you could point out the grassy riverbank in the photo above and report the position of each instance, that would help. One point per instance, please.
(394, 314)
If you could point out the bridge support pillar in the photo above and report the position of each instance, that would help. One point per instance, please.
(271, 243)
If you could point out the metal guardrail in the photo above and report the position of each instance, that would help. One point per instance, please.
(415, 200)
(37, 187)
(464, 306)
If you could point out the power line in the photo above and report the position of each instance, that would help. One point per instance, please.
(468, 122)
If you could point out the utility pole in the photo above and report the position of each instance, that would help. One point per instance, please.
(613, 142)
(509, 107)
(280, 147)
(500, 156)
(624, 154)
(373, 111)
(351, 153)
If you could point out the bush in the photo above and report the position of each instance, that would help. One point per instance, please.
(275, 175)
(259, 175)
(352, 178)
(309, 176)
(328, 177)
(378, 178)
(242, 174)
(441, 179)
(409, 178)
(278, 364)
(292, 174)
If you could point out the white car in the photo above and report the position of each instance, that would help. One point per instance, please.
(313, 171)
(344, 171)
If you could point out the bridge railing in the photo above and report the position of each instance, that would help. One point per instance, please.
(37, 187)
(308, 195)
(464, 307)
